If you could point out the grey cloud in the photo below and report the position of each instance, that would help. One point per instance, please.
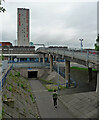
(55, 23)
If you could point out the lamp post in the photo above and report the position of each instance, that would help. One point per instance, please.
(81, 44)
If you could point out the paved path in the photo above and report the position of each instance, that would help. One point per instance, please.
(0, 102)
(0, 75)
(45, 103)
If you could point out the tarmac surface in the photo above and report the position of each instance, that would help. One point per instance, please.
(45, 102)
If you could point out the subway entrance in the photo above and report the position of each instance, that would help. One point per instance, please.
(32, 74)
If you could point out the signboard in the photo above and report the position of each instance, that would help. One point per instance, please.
(15, 59)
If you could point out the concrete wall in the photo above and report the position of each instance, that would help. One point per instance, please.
(24, 71)
(23, 26)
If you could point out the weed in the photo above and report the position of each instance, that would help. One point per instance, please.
(17, 74)
(22, 86)
(29, 90)
(5, 96)
(17, 84)
(32, 97)
(3, 112)
(10, 89)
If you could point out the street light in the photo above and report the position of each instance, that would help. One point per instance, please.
(81, 44)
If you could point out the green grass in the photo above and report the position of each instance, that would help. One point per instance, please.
(79, 68)
(50, 90)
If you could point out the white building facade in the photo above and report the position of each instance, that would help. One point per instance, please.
(23, 27)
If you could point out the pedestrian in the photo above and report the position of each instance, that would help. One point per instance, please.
(55, 95)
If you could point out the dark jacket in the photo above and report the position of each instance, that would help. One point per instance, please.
(55, 94)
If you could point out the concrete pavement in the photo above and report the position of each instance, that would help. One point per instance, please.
(82, 105)
(0, 103)
(45, 103)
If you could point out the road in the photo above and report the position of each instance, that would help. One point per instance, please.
(45, 103)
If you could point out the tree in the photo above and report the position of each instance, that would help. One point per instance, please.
(2, 9)
(97, 44)
(97, 40)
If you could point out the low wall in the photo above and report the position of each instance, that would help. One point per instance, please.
(24, 71)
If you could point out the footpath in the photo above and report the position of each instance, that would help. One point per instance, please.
(45, 102)
(79, 105)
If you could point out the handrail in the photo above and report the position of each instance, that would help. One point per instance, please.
(86, 55)
(63, 75)
(3, 77)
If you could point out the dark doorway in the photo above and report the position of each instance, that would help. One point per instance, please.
(32, 74)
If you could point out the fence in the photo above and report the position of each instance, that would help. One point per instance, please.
(63, 75)
(4, 75)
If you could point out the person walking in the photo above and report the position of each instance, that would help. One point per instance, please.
(55, 95)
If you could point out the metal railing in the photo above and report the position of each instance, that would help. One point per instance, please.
(4, 75)
(36, 65)
(86, 55)
(63, 75)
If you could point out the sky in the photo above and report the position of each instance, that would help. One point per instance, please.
(57, 23)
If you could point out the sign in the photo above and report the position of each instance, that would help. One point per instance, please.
(31, 43)
(15, 59)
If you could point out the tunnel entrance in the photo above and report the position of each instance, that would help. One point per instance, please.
(32, 74)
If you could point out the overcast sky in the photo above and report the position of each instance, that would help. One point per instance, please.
(53, 23)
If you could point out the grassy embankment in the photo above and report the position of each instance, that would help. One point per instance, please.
(50, 85)
(14, 83)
